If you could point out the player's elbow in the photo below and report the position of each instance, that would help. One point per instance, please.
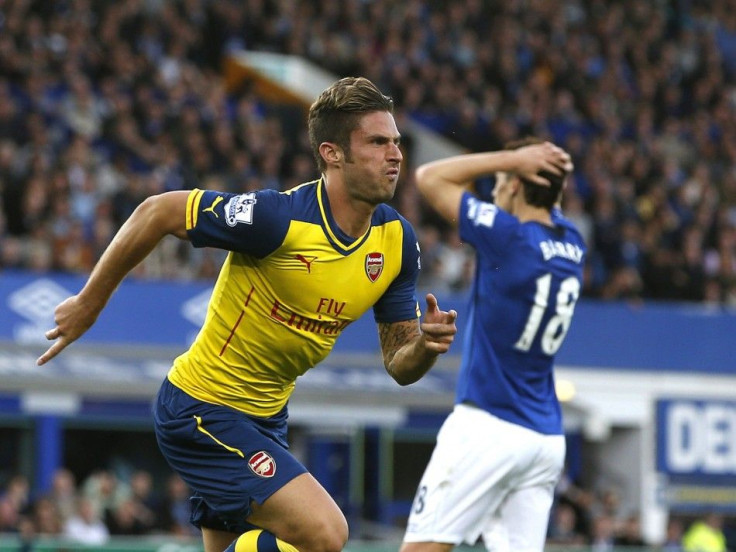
(439, 192)
(423, 178)
(403, 377)
(405, 381)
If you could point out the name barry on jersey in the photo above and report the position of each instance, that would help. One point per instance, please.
(553, 248)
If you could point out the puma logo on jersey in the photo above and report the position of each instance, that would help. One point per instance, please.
(307, 261)
(211, 208)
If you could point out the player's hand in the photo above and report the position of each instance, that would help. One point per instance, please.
(438, 327)
(545, 157)
(73, 317)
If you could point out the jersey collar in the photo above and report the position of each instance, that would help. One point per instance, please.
(340, 240)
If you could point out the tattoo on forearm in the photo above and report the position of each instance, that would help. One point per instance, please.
(394, 336)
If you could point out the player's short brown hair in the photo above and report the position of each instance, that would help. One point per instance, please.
(336, 112)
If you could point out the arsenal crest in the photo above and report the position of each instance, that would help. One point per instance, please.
(373, 265)
(262, 464)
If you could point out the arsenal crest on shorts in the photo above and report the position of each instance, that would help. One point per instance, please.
(262, 464)
(373, 265)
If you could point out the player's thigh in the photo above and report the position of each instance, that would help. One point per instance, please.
(464, 482)
(303, 514)
(215, 540)
(229, 460)
(525, 515)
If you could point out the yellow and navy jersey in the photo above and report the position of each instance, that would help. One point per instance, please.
(291, 283)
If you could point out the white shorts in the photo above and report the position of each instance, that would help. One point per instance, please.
(487, 477)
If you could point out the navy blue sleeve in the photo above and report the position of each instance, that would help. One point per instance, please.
(254, 223)
(399, 303)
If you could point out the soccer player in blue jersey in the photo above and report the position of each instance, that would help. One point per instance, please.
(501, 450)
(303, 264)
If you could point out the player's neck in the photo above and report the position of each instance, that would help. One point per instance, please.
(530, 213)
(352, 216)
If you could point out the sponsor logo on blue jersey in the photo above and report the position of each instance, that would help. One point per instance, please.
(482, 213)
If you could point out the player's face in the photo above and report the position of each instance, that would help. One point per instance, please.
(372, 165)
(503, 191)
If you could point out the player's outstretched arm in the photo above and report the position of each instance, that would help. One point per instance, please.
(443, 182)
(410, 349)
(156, 217)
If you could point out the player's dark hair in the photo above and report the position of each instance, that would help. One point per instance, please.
(536, 194)
(336, 113)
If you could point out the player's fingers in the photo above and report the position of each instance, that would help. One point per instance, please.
(52, 351)
(439, 329)
(449, 317)
(564, 163)
(540, 180)
(555, 165)
(431, 303)
(438, 346)
(53, 334)
(555, 154)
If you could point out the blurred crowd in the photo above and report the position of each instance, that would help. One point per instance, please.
(89, 512)
(105, 103)
(596, 520)
(109, 503)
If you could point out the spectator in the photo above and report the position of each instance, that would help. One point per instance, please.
(85, 527)
(64, 493)
(128, 518)
(630, 532)
(176, 508)
(673, 538)
(602, 537)
(563, 528)
(105, 492)
(13, 503)
(46, 518)
(705, 535)
(146, 502)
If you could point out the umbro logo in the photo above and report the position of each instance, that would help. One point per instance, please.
(36, 303)
(307, 260)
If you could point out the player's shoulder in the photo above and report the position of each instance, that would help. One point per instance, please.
(302, 191)
(385, 214)
(300, 195)
(561, 221)
(300, 201)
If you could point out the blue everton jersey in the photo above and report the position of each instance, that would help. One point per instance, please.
(528, 279)
(290, 285)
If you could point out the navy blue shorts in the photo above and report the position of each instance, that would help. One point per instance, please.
(227, 458)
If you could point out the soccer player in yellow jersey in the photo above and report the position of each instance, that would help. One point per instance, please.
(303, 264)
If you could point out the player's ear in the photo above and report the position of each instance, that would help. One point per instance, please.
(515, 185)
(331, 153)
